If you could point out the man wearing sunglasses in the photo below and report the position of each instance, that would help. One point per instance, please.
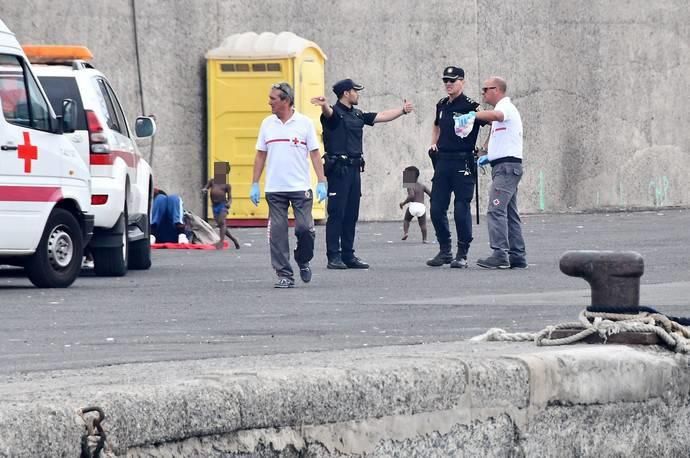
(454, 171)
(505, 157)
(342, 137)
(287, 139)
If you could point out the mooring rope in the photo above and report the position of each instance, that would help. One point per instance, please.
(673, 334)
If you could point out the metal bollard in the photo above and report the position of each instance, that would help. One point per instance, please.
(614, 277)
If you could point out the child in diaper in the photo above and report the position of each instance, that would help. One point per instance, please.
(415, 199)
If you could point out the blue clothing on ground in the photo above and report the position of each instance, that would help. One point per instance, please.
(166, 213)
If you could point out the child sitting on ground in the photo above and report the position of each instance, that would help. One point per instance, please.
(415, 197)
(221, 199)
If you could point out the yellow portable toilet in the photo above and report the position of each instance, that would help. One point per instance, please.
(240, 73)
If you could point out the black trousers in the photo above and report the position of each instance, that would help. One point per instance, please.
(453, 176)
(344, 192)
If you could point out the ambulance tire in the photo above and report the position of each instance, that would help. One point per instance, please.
(112, 261)
(57, 260)
(140, 250)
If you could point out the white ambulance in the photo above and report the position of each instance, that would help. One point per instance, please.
(45, 195)
(121, 179)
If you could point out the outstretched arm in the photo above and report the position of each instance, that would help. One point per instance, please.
(326, 109)
(394, 113)
(490, 115)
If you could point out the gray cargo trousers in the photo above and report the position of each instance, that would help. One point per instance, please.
(503, 218)
(278, 203)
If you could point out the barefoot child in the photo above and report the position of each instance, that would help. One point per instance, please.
(220, 193)
(415, 197)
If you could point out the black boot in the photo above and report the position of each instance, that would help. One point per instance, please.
(460, 261)
(444, 256)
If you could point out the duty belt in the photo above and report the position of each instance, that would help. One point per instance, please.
(349, 160)
(459, 155)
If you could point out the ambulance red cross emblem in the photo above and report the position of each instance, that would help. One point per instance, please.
(295, 141)
(28, 152)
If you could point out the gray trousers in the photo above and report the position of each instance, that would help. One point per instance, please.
(503, 219)
(278, 203)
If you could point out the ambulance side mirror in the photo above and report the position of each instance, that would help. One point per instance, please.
(145, 127)
(68, 120)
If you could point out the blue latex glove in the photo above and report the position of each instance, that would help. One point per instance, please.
(483, 160)
(254, 194)
(321, 191)
(463, 120)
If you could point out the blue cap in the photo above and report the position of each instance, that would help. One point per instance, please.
(346, 85)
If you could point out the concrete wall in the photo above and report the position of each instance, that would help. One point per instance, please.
(599, 83)
(438, 400)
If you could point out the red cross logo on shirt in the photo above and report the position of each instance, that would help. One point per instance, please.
(295, 141)
(28, 152)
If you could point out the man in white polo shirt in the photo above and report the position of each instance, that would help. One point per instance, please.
(505, 157)
(287, 139)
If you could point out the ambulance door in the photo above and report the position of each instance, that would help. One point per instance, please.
(30, 157)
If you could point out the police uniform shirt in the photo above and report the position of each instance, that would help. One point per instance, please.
(448, 141)
(343, 130)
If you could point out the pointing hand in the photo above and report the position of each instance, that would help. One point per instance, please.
(320, 101)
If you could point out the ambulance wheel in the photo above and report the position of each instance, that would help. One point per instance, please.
(57, 260)
(140, 250)
(112, 261)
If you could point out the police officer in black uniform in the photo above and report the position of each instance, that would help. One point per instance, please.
(454, 171)
(342, 137)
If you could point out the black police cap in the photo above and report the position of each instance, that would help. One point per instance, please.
(453, 73)
(346, 85)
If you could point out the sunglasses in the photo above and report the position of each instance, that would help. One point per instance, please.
(484, 89)
(281, 87)
(448, 80)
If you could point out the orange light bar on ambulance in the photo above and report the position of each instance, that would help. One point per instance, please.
(56, 53)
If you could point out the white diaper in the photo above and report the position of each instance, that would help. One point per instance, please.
(417, 209)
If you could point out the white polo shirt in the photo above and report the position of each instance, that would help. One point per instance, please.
(506, 135)
(288, 145)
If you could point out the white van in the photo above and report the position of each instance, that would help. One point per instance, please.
(121, 179)
(45, 195)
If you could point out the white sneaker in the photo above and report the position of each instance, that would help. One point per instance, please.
(182, 238)
(87, 263)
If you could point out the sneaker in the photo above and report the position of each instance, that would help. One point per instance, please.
(305, 273)
(356, 263)
(182, 238)
(443, 257)
(493, 262)
(87, 263)
(518, 263)
(284, 282)
(459, 263)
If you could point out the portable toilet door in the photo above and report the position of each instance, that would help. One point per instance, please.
(240, 73)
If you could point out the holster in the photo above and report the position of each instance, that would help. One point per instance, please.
(329, 164)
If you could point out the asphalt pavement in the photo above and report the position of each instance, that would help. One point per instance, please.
(206, 304)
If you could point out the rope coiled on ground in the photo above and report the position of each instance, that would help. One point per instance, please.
(673, 334)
